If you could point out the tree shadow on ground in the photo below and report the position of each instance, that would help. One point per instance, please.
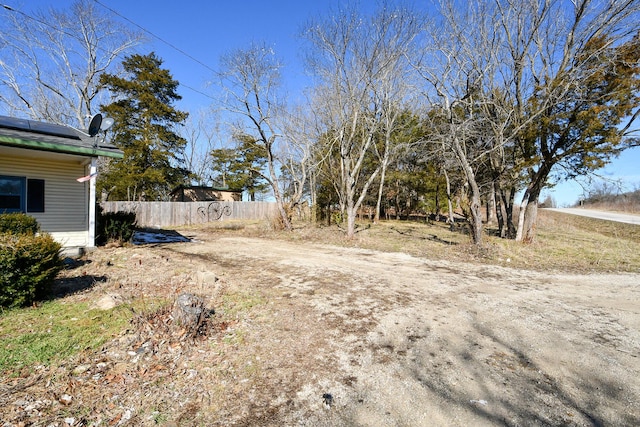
(72, 285)
(63, 286)
(431, 237)
(510, 388)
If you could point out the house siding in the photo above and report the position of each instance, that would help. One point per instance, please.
(66, 200)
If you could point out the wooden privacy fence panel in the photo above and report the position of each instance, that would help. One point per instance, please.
(173, 214)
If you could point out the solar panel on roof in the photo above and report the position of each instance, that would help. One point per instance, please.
(39, 127)
(51, 129)
(13, 123)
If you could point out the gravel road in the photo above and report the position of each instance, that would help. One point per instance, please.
(416, 342)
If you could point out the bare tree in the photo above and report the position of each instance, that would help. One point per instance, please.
(394, 87)
(301, 132)
(361, 65)
(539, 89)
(51, 60)
(202, 132)
(584, 82)
(251, 79)
(459, 68)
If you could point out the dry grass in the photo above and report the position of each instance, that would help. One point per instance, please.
(564, 242)
(627, 202)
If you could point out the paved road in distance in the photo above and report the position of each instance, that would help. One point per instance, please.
(609, 216)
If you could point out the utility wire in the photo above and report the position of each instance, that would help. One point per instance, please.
(157, 37)
(39, 21)
(172, 46)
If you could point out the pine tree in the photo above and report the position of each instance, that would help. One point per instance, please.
(241, 167)
(144, 128)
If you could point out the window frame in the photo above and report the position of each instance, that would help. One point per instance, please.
(22, 182)
(31, 197)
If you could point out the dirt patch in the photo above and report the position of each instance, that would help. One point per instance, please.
(319, 335)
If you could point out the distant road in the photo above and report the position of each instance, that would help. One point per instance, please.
(609, 216)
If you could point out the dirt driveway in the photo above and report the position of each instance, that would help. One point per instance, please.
(333, 336)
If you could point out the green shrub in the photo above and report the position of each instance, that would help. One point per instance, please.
(115, 226)
(28, 266)
(18, 223)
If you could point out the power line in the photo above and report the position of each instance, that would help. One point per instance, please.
(39, 21)
(26, 15)
(172, 46)
(157, 37)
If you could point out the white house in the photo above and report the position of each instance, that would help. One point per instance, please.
(49, 171)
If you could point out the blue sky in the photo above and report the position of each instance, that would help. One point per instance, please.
(625, 169)
(206, 29)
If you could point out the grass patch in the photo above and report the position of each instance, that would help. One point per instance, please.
(54, 332)
(593, 226)
(235, 304)
(581, 244)
(564, 243)
(232, 308)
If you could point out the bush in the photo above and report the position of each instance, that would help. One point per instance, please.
(28, 266)
(115, 226)
(18, 223)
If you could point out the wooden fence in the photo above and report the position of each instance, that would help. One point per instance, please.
(172, 214)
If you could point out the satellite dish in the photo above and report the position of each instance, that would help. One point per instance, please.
(107, 122)
(94, 125)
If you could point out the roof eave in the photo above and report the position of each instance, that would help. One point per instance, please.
(61, 148)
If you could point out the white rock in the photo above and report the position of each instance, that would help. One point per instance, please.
(108, 302)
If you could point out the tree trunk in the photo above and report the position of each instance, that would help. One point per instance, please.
(501, 213)
(509, 204)
(314, 198)
(475, 223)
(450, 218)
(523, 207)
(504, 212)
(475, 215)
(274, 182)
(350, 207)
(491, 205)
(437, 200)
(383, 173)
(351, 221)
(530, 219)
(528, 215)
(189, 313)
(529, 207)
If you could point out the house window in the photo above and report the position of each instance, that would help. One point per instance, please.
(12, 194)
(18, 194)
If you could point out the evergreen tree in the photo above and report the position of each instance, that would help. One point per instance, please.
(584, 128)
(242, 167)
(222, 164)
(144, 128)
